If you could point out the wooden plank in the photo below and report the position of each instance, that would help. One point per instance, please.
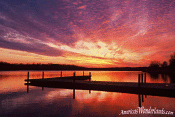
(159, 89)
(63, 78)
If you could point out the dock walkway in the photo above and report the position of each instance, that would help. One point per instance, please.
(156, 89)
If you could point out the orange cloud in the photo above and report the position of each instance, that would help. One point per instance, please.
(82, 7)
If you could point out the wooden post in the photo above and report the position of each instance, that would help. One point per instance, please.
(90, 74)
(83, 73)
(61, 74)
(74, 74)
(28, 77)
(27, 82)
(138, 80)
(145, 78)
(142, 78)
(43, 75)
(74, 77)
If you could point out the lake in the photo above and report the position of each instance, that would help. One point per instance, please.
(51, 102)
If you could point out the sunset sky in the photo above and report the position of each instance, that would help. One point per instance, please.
(89, 33)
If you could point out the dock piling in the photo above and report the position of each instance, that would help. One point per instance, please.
(138, 80)
(74, 74)
(142, 78)
(28, 77)
(74, 77)
(43, 75)
(27, 82)
(89, 73)
(145, 78)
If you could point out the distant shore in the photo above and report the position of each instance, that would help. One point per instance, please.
(17, 67)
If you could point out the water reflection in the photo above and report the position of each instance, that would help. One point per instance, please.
(55, 101)
(64, 102)
(172, 77)
(27, 88)
(73, 93)
(154, 75)
(141, 97)
(164, 78)
(43, 89)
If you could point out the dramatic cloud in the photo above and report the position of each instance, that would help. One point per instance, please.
(99, 33)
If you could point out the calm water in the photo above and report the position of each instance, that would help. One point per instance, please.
(16, 102)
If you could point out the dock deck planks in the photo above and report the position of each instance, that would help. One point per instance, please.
(81, 82)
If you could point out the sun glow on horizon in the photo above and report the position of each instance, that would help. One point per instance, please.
(111, 33)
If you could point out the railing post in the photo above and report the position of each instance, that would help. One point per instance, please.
(142, 78)
(83, 73)
(61, 74)
(43, 75)
(138, 80)
(74, 77)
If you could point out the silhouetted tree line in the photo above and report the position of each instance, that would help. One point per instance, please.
(119, 69)
(4, 66)
(164, 69)
(156, 66)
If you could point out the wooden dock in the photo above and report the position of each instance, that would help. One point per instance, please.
(84, 83)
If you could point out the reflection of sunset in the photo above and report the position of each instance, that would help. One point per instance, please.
(100, 103)
(85, 102)
(13, 81)
(115, 76)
